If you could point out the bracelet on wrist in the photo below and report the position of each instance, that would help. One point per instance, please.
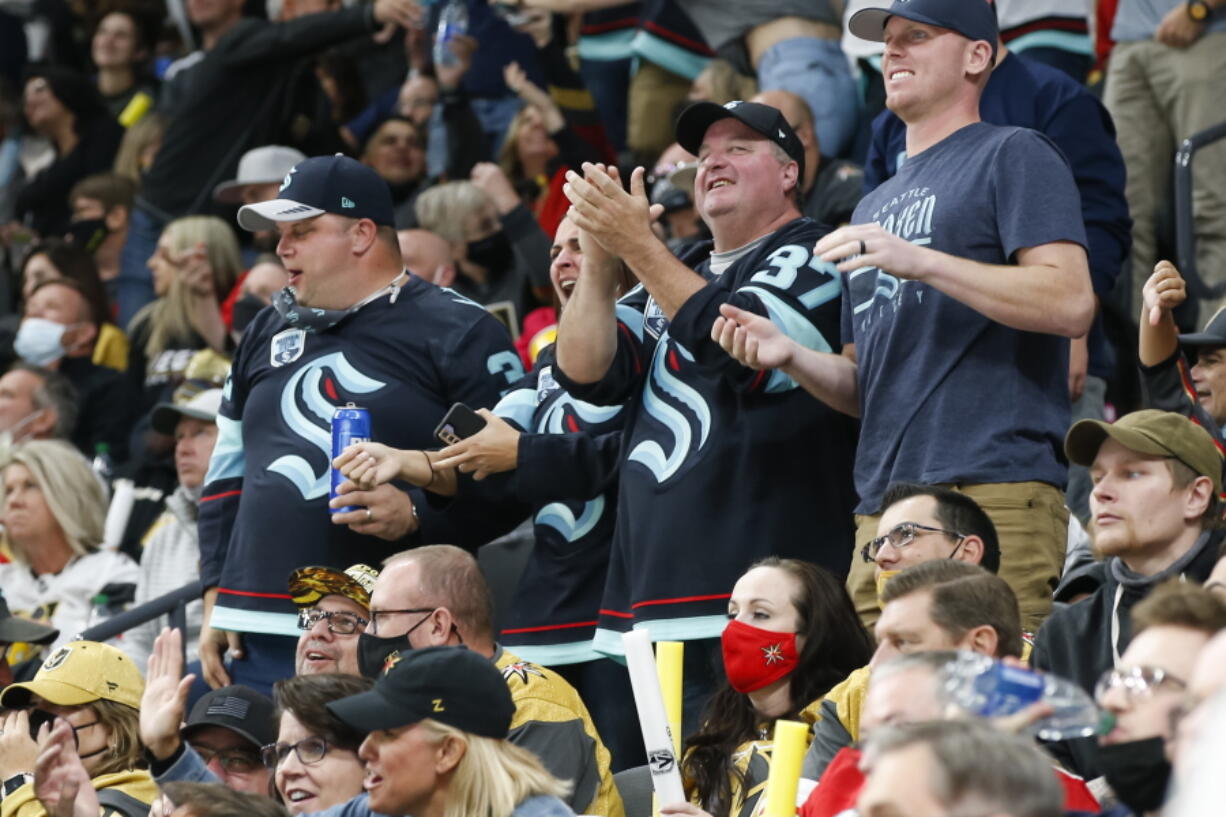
(429, 465)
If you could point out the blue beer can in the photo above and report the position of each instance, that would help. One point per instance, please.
(350, 424)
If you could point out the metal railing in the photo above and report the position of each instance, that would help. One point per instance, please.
(1185, 227)
(174, 604)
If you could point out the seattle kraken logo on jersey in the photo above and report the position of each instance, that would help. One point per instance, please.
(662, 383)
(286, 346)
(654, 319)
(309, 387)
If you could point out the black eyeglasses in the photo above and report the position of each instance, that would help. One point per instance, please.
(232, 761)
(309, 750)
(901, 536)
(374, 616)
(339, 622)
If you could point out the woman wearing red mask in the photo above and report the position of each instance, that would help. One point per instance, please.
(792, 634)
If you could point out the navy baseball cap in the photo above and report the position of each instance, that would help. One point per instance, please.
(770, 122)
(324, 184)
(452, 685)
(973, 19)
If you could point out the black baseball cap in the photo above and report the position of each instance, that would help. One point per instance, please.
(973, 19)
(324, 184)
(14, 629)
(238, 708)
(770, 122)
(1212, 336)
(452, 685)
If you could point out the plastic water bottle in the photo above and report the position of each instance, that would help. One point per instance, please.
(99, 610)
(989, 688)
(452, 22)
(102, 465)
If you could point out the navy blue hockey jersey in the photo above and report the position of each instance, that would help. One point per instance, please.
(566, 474)
(264, 510)
(721, 465)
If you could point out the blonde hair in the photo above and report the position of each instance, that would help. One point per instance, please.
(443, 209)
(508, 154)
(168, 316)
(148, 130)
(494, 775)
(73, 494)
(124, 750)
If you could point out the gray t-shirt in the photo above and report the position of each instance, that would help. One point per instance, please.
(1139, 19)
(724, 21)
(946, 393)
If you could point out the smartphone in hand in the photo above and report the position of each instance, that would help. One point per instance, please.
(459, 423)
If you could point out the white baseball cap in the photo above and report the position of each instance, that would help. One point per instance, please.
(262, 165)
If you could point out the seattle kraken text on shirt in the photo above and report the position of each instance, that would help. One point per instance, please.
(908, 216)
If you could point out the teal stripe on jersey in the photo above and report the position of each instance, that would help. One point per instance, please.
(228, 460)
(1064, 40)
(614, 45)
(555, 654)
(666, 55)
(694, 628)
(254, 621)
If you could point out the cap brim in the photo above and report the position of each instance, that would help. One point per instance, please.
(1200, 339)
(265, 215)
(1086, 437)
(693, 123)
(869, 24)
(683, 177)
(167, 415)
(187, 731)
(369, 711)
(56, 692)
(16, 629)
(230, 192)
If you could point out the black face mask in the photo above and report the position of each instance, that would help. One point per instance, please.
(377, 654)
(245, 310)
(314, 319)
(1138, 772)
(38, 717)
(88, 233)
(493, 252)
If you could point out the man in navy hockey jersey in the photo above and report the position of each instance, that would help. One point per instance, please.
(722, 465)
(352, 327)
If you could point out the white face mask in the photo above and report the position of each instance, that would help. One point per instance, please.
(40, 341)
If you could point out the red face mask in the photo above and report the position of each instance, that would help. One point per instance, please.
(755, 658)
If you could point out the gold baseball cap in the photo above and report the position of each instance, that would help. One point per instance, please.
(307, 585)
(81, 672)
(1153, 432)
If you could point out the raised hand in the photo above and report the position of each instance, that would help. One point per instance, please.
(751, 339)
(1163, 291)
(17, 749)
(619, 220)
(61, 783)
(164, 703)
(406, 13)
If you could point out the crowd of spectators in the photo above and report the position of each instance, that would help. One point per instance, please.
(842, 342)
